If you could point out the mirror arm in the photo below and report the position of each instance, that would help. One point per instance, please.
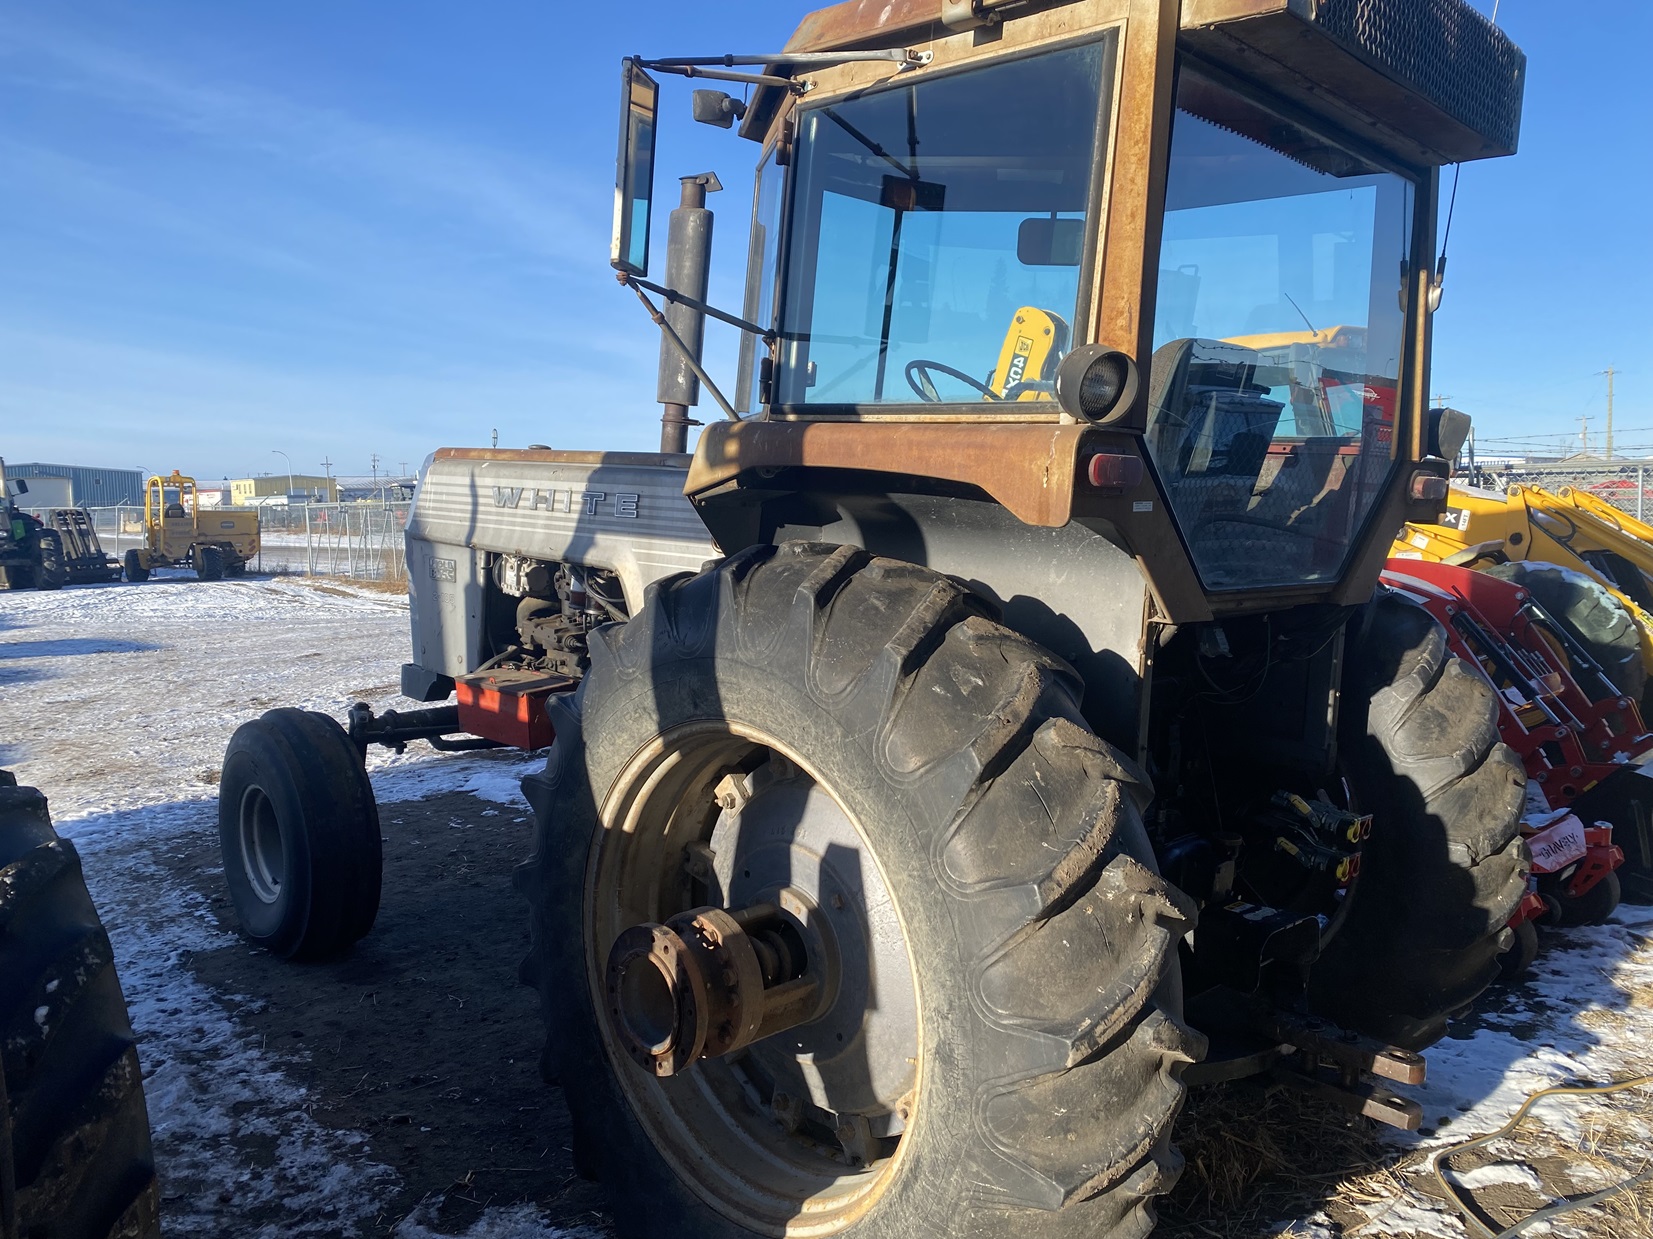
(636, 285)
(715, 67)
(677, 298)
(720, 75)
(905, 57)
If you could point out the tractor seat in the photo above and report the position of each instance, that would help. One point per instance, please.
(174, 510)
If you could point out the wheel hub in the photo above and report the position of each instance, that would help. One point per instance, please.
(707, 983)
(748, 959)
(261, 851)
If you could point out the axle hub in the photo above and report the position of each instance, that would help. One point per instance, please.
(707, 983)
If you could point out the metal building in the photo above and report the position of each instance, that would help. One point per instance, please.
(93, 487)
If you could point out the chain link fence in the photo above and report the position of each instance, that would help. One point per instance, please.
(359, 540)
(1624, 484)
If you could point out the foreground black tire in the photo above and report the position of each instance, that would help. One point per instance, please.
(299, 831)
(209, 563)
(133, 563)
(50, 570)
(1591, 615)
(858, 729)
(1446, 866)
(1593, 907)
(75, 1157)
(1523, 952)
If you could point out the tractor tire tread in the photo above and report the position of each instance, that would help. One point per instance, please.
(1446, 867)
(1067, 934)
(78, 1135)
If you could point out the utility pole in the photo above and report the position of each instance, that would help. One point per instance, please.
(1584, 434)
(375, 472)
(327, 472)
(1609, 372)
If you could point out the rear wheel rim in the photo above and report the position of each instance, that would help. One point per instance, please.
(746, 1133)
(262, 858)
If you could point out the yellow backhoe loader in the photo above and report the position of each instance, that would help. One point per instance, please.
(178, 533)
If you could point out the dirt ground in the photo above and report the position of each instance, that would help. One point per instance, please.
(421, 1037)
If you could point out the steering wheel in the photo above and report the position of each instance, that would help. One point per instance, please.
(918, 378)
(1241, 518)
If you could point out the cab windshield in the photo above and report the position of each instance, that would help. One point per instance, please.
(1278, 337)
(937, 235)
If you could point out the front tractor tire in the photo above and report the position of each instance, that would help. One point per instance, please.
(299, 831)
(136, 569)
(75, 1155)
(1445, 867)
(989, 1040)
(50, 570)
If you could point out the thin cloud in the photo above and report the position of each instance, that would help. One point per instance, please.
(546, 210)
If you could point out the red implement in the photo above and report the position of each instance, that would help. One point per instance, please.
(509, 706)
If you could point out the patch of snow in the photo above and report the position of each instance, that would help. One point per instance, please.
(1315, 1226)
(1518, 1173)
(207, 1081)
(518, 1222)
(494, 776)
(1406, 1216)
(134, 692)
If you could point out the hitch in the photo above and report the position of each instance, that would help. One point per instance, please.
(1308, 1053)
(395, 729)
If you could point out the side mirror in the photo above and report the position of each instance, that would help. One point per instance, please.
(716, 107)
(634, 172)
(1045, 242)
(22, 486)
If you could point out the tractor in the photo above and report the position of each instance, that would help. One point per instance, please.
(31, 553)
(1590, 566)
(995, 727)
(180, 533)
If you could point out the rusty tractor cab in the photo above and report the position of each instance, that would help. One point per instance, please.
(1036, 741)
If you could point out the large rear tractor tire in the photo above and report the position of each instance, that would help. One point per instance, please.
(992, 1047)
(134, 565)
(50, 570)
(1445, 867)
(1591, 615)
(299, 831)
(75, 1157)
(209, 563)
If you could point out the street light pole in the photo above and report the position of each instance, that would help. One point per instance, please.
(276, 451)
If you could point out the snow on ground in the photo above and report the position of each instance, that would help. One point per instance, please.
(117, 701)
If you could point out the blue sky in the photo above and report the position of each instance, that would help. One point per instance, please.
(338, 229)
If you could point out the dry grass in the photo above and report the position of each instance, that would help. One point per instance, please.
(349, 584)
(1260, 1154)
